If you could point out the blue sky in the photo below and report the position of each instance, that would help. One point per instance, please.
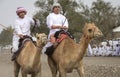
(8, 9)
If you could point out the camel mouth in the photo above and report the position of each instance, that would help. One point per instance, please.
(98, 35)
(44, 40)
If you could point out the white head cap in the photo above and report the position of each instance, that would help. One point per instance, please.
(56, 4)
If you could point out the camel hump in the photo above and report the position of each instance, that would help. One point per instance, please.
(24, 39)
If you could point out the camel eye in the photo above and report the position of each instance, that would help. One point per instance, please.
(37, 37)
(90, 30)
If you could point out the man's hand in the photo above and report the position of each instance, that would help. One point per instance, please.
(59, 27)
(21, 36)
(64, 27)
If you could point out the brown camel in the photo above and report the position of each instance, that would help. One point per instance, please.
(69, 55)
(29, 58)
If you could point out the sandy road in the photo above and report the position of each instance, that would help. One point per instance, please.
(94, 66)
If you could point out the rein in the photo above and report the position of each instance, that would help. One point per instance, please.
(35, 25)
(93, 32)
(28, 39)
(38, 46)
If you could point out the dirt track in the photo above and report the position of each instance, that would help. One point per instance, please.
(94, 66)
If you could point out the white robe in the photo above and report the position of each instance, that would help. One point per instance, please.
(55, 19)
(21, 26)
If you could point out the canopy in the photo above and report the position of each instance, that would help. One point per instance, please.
(117, 29)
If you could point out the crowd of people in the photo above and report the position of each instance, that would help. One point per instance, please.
(104, 50)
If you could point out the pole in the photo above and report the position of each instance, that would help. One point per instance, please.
(4, 27)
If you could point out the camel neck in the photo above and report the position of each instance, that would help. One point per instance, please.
(85, 40)
(39, 46)
(38, 52)
(83, 44)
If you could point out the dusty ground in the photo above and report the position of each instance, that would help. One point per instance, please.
(94, 66)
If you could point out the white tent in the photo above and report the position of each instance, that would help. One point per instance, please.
(117, 29)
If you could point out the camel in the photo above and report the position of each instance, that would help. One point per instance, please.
(29, 58)
(69, 55)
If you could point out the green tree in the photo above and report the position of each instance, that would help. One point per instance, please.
(6, 36)
(118, 17)
(104, 15)
(69, 9)
(41, 14)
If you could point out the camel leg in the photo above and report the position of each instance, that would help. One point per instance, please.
(62, 72)
(39, 71)
(33, 75)
(38, 74)
(16, 69)
(80, 70)
(59, 75)
(52, 66)
(24, 74)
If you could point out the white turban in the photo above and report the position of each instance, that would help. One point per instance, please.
(55, 4)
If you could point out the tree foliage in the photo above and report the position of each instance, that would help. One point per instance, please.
(6, 36)
(102, 13)
(44, 7)
(75, 19)
(118, 17)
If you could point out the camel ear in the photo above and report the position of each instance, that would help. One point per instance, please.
(36, 34)
(43, 33)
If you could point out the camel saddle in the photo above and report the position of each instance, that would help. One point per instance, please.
(59, 35)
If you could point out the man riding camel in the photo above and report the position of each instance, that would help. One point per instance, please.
(55, 22)
(21, 28)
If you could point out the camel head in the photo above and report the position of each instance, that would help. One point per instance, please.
(41, 39)
(91, 31)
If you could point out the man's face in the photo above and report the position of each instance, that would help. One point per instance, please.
(21, 14)
(56, 9)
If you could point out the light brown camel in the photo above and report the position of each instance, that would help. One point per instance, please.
(69, 55)
(29, 58)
